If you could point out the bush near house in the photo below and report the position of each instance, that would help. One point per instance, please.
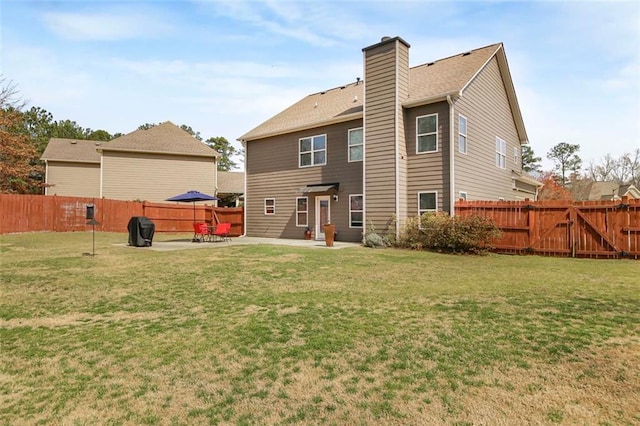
(441, 232)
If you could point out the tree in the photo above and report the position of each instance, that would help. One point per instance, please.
(226, 150)
(551, 190)
(530, 163)
(566, 159)
(633, 163)
(99, 135)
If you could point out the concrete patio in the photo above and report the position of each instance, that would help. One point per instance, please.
(166, 243)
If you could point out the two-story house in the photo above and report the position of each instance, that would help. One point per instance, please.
(402, 142)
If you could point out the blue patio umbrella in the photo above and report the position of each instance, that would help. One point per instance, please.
(192, 197)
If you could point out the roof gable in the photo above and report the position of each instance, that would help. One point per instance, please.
(230, 182)
(72, 150)
(430, 82)
(165, 138)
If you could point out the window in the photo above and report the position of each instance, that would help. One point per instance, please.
(313, 151)
(462, 134)
(427, 202)
(501, 153)
(463, 196)
(269, 206)
(302, 211)
(516, 155)
(427, 133)
(355, 144)
(355, 211)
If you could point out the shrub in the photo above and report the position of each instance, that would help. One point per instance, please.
(373, 239)
(437, 231)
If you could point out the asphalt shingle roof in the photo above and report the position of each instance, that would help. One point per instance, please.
(166, 138)
(73, 150)
(429, 81)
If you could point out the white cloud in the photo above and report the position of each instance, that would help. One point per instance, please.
(116, 24)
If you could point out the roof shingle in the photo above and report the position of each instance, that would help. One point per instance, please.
(72, 150)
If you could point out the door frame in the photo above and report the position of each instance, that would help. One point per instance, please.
(320, 226)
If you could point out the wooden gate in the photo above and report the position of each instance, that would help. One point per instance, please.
(598, 229)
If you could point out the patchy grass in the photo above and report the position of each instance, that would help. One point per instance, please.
(282, 335)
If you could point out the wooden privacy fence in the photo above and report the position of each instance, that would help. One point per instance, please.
(596, 229)
(33, 213)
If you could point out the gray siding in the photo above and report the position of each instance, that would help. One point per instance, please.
(153, 177)
(73, 179)
(485, 105)
(386, 83)
(428, 171)
(272, 172)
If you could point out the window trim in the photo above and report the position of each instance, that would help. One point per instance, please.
(266, 207)
(349, 146)
(351, 211)
(312, 152)
(298, 212)
(426, 134)
(501, 154)
(466, 138)
(516, 155)
(421, 212)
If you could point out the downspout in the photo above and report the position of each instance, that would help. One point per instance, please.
(396, 144)
(46, 177)
(452, 196)
(101, 171)
(244, 208)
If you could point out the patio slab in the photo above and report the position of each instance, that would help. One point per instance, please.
(187, 244)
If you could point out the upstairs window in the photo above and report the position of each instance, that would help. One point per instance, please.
(516, 155)
(355, 211)
(355, 144)
(501, 153)
(462, 134)
(427, 133)
(427, 202)
(313, 151)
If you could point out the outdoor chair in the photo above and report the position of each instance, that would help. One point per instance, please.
(222, 230)
(200, 232)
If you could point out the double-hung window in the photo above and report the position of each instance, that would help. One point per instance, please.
(427, 133)
(501, 153)
(302, 211)
(269, 206)
(355, 144)
(462, 134)
(427, 202)
(356, 211)
(313, 151)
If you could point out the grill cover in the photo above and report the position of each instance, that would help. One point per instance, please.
(141, 230)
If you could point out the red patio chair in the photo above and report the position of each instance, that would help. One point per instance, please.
(200, 232)
(222, 231)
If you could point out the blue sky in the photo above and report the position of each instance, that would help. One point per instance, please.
(223, 67)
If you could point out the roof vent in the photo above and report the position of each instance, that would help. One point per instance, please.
(430, 63)
(466, 54)
(355, 98)
(357, 80)
(385, 38)
(322, 93)
(315, 105)
(98, 143)
(74, 142)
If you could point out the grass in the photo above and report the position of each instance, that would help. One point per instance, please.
(280, 335)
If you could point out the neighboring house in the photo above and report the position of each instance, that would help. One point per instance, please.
(231, 188)
(611, 191)
(403, 142)
(72, 168)
(150, 165)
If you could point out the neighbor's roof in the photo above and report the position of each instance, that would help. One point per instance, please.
(429, 83)
(603, 190)
(231, 182)
(72, 150)
(165, 138)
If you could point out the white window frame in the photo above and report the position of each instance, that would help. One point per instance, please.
(516, 155)
(464, 195)
(422, 211)
(426, 134)
(462, 135)
(269, 206)
(349, 145)
(299, 212)
(312, 151)
(351, 225)
(501, 153)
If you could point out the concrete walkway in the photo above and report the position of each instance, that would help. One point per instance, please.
(169, 244)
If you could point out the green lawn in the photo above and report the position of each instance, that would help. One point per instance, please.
(282, 335)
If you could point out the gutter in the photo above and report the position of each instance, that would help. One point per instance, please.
(452, 196)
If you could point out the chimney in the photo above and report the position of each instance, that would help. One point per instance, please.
(386, 86)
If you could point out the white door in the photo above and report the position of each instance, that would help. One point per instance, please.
(323, 214)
